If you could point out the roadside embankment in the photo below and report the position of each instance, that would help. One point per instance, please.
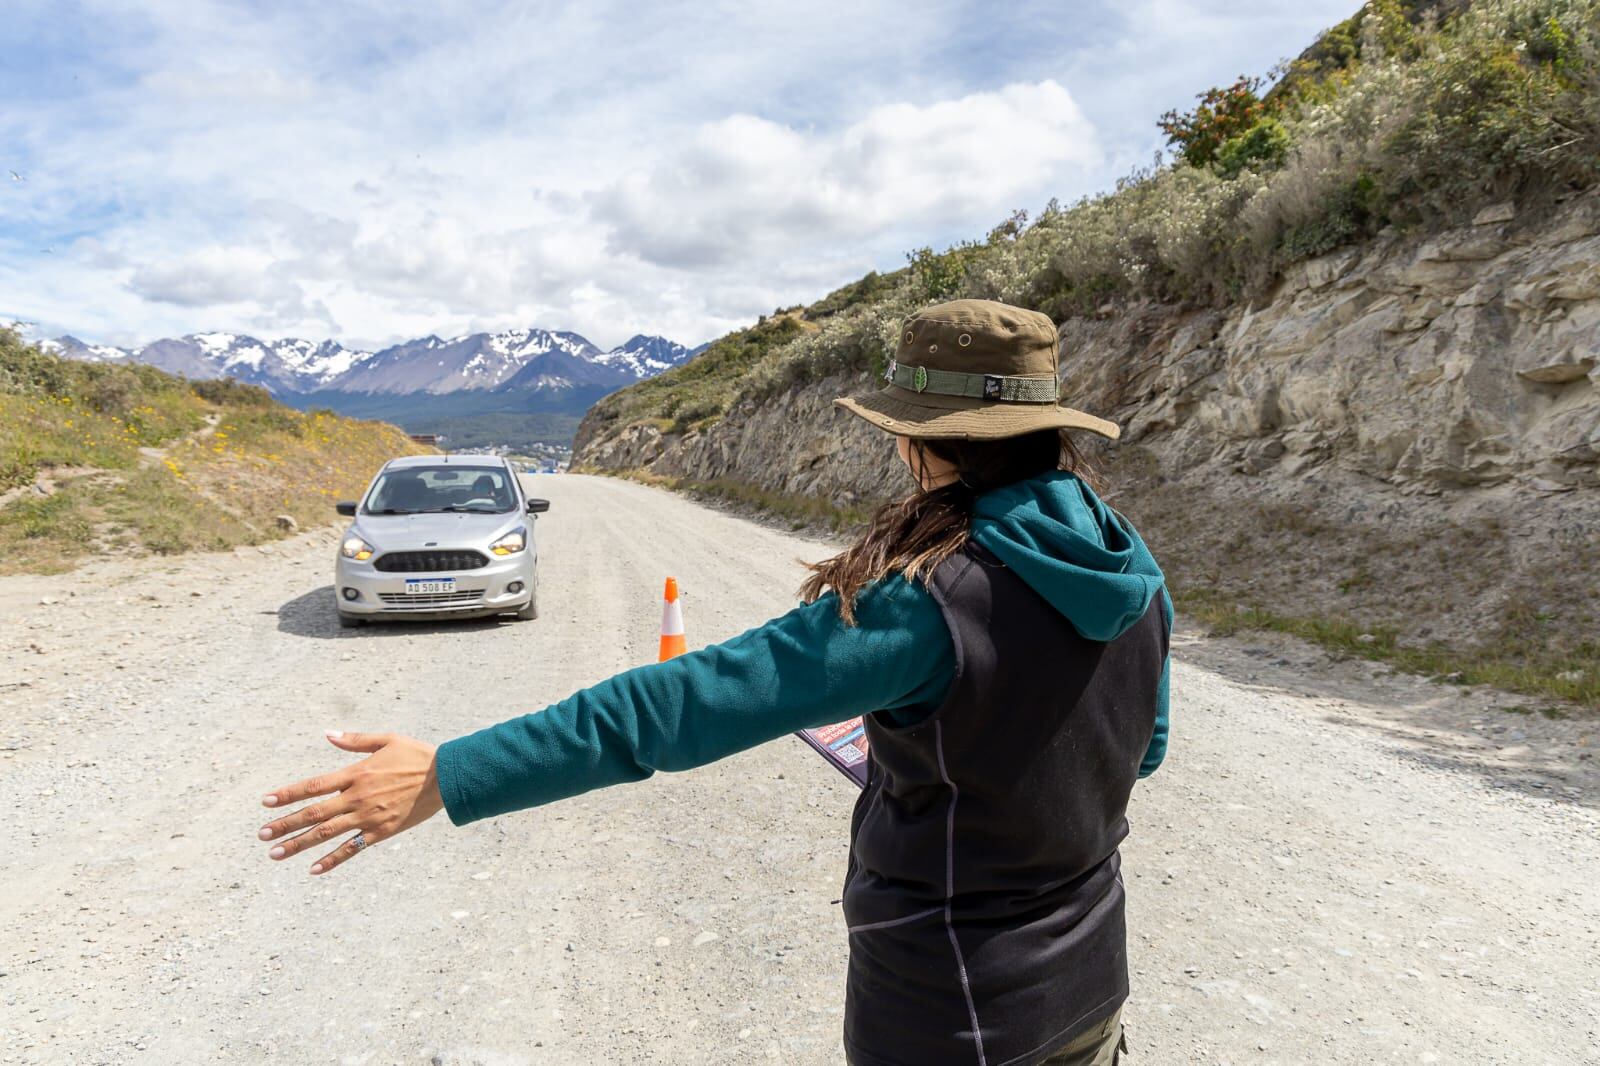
(1395, 452)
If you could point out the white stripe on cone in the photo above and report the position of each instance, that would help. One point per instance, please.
(672, 619)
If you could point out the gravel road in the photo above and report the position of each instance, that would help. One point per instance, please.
(1337, 865)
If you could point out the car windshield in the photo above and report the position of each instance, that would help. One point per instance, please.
(435, 489)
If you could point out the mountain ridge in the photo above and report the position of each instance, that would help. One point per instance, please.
(536, 359)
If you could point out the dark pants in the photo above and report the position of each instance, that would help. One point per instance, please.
(1101, 1045)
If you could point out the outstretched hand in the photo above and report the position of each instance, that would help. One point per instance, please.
(388, 792)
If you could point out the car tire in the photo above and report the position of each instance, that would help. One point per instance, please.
(350, 621)
(529, 611)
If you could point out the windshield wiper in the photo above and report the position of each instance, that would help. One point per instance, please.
(393, 510)
(457, 509)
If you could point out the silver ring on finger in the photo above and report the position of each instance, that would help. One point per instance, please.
(359, 841)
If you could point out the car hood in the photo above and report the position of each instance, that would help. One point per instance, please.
(406, 532)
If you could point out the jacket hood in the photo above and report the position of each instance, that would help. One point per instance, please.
(1079, 554)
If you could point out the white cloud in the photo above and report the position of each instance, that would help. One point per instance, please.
(247, 283)
(372, 173)
(204, 277)
(744, 187)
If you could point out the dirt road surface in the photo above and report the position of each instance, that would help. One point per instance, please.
(1336, 865)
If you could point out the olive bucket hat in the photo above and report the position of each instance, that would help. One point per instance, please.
(973, 370)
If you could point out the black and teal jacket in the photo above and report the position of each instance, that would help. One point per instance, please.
(807, 668)
(1011, 702)
(984, 897)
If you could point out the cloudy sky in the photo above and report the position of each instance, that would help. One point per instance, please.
(372, 171)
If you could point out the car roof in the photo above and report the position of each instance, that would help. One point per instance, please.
(444, 460)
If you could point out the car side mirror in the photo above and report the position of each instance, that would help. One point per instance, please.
(346, 508)
(538, 506)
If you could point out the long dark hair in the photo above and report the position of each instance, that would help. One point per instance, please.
(916, 533)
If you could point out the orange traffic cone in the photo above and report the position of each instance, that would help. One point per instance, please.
(673, 641)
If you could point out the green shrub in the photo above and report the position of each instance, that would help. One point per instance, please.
(25, 369)
(1263, 146)
(939, 275)
(1222, 114)
(1391, 28)
(229, 392)
(47, 517)
(1353, 210)
(112, 393)
(869, 288)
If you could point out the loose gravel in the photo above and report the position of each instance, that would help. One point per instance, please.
(1337, 864)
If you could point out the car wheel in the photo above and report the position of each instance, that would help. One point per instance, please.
(350, 621)
(531, 610)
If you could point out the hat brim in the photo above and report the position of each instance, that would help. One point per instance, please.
(959, 418)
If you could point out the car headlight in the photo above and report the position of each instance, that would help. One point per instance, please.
(355, 548)
(511, 543)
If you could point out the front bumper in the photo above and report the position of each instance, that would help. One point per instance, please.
(481, 591)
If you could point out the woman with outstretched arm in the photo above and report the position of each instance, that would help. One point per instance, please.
(1005, 634)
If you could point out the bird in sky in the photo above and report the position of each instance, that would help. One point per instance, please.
(15, 176)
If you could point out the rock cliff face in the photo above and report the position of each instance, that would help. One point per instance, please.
(1415, 417)
(796, 442)
(1470, 358)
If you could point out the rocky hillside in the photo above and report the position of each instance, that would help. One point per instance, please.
(1388, 441)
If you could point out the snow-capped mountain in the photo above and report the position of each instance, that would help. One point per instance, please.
(558, 370)
(479, 361)
(73, 348)
(282, 366)
(646, 356)
(510, 361)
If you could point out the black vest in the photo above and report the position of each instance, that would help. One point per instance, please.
(983, 896)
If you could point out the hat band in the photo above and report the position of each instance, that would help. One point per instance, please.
(1005, 389)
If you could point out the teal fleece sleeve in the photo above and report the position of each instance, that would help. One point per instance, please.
(801, 670)
(1157, 751)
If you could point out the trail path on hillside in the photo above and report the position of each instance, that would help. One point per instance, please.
(51, 479)
(150, 456)
(1336, 865)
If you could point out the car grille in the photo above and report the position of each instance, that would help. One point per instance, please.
(433, 601)
(433, 562)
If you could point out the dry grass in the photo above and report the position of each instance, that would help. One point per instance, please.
(797, 511)
(55, 430)
(219, 462)
(1529, 667)
(801, 512)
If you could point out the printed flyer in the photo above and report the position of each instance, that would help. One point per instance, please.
(844, 745)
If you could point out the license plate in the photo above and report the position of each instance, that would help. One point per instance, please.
(432, 586)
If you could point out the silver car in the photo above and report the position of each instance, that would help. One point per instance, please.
(439, 536)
